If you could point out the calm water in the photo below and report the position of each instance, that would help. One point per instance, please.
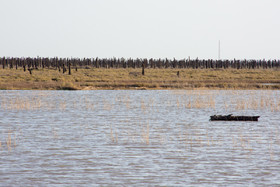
(132, 138)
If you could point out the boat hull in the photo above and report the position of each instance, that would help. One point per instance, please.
(233, 118)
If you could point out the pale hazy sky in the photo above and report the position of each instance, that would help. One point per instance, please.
(140, 28)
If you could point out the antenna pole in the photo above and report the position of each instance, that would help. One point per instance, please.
(219, 52)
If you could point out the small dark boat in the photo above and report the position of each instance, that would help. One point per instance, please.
(233, 118)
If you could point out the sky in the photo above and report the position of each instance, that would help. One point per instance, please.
(246, 29)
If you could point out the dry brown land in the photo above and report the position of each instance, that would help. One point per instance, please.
(92, 79)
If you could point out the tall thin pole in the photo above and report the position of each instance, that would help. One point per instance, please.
(219, 52)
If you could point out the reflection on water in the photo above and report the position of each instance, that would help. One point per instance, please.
(107, 138)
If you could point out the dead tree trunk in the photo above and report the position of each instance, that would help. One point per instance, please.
(69, 67)
(30, 70)
(64, 69)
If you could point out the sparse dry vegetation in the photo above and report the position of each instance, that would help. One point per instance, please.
(130, 78)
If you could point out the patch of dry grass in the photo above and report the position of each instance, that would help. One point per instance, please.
(50, 79)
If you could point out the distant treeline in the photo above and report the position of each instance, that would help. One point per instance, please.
(62, 63)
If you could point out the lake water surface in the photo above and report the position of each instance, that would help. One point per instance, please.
(132, 138)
